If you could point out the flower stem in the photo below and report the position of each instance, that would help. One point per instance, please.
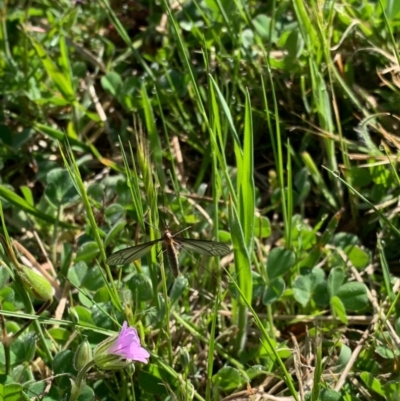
(76, 386)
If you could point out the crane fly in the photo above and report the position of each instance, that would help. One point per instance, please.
(171, 244)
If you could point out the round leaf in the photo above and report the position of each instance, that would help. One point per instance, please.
(335, 280)
(141, 287)
(112, 83)
(262, 227)
(63, 363)
(354, 296)
(179, 286)
(87, 252)
(279, 262)
(274, 291)
(338, 309)
(77, 273)
(228, 378)
(302, 289)
(60, 189)
(358, 257)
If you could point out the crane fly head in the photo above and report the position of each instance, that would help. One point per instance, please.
(168, 238)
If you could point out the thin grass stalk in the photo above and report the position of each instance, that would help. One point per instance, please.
(241, 247)
(125, 36)
(363, 198)
(152, 131)
(322, 102)
(211, 348)
(289, 195)
(386, 272)
(272, 351)
(73, 170)
(395, 46)
(277, 149)
(246, 213)
(26, 299)
(316, 389)
(145, 163)
(241, 205)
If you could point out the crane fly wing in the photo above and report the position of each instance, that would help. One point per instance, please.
(127, 255)
(203, 247)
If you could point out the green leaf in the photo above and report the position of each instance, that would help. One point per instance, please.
(64, 363)
(372, 383)
(60, 335)
(26, 191)
(86, 394)
(302, 289)
(60, 136)
(357, 256)
(302, 184)
(392, 11)
(114, 231)
(112, 83)
(77, 273)
(385, 352)
(255, 371)
(11, 392)
(262, 227)
(360, 177)
(321, 294)
(294, 46)
(87, 252)
(338, 309)
(93, 279)
(392, 390)
(354, 296)
(16, 200)
(150, 380)
(330, 395)
(141, 287)
(35, 389)
(60, 189)
(273, 291)
(279, 262)
(24, 349)
(102, 295)
(114, 213)
(180, 285)
(84, 315)
(262, 25)
(343, 359)
(4, 276)
(381, 175)
(247, 38)
(228, 378)
(335, 280)
(342, 240)
(101, 315)
(7, 294)
(58, 78)
(317, 277)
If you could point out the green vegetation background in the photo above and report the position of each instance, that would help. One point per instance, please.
(269, 126)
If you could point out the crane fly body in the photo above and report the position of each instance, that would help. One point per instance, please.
(171, 244)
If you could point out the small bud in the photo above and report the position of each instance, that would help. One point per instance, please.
(75, 390)
(118, 352)
(83, 355)
(184, 357)
(35, 283)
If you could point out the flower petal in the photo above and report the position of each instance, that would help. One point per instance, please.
(128, 345)
(140, 355)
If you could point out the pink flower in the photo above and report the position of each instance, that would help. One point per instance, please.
(118, 352)
(128, 345)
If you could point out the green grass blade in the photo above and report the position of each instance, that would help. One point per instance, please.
(20, 202)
